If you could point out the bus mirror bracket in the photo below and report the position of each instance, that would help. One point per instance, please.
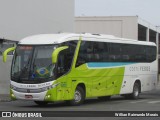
(56, 52)
(5, 53)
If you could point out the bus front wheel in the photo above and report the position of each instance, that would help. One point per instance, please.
(79, 97)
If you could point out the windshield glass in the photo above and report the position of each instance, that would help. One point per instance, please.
(33, 64)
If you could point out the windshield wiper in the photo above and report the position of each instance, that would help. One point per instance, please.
(33, 64)
(24, 69)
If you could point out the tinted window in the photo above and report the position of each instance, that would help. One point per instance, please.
(92, 52)
(85, 53)
(65, 58)
(114, 52)
(150, 53)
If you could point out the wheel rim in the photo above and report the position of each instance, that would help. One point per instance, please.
(77, 96)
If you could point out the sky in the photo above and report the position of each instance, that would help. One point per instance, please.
(148, 10)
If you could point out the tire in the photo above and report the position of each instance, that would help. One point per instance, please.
(79, 97)
(104, 98)
(135, 94)
(136, 91)
(41, 103)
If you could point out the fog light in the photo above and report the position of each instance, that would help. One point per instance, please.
(12, 95)
(47, 96)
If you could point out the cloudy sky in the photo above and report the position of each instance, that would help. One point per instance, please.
(148, 10)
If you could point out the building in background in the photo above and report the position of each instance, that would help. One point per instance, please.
(22, 18)
(131, 27)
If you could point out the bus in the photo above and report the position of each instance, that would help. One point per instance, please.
(72, 67)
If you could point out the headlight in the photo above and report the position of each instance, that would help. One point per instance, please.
(13, 87)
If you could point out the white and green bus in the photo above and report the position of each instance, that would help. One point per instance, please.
(72, 67)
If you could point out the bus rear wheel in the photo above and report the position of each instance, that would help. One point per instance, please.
(136, 91)
(79, 97)
(41, 103)
(135, 94)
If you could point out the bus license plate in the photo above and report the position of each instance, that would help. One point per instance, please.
(28, 96)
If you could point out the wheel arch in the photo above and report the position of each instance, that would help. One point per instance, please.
(83, 86)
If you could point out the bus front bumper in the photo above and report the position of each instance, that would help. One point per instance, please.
(29, 96)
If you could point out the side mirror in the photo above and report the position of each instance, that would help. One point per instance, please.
(56, 52)
(6, 52)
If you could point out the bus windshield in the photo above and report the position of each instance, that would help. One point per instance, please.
(33, 64)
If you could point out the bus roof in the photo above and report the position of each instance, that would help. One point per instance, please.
(62, 37)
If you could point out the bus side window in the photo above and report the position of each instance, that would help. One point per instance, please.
(98, 51)
(126, 52)
(92, 52)
(65, 57)
(115, 52)
(150, 53)
(85, 53)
